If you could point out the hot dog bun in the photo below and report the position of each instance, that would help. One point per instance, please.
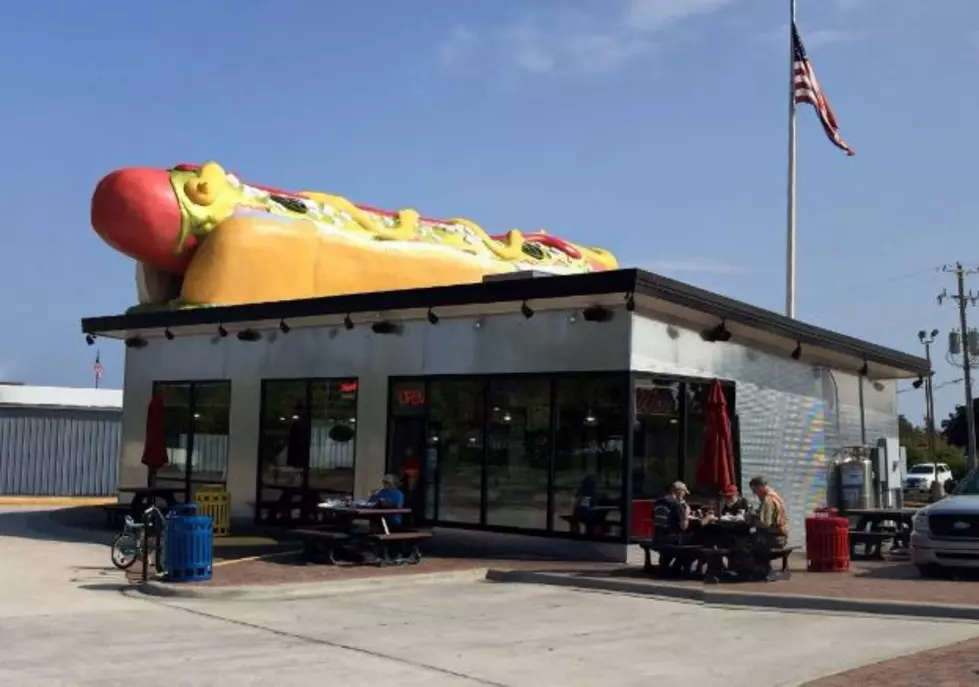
(229, 243)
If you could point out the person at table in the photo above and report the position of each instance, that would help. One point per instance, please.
(388, 496)
(771, 517)
(671, 516)
(732, 503)
(587, 500)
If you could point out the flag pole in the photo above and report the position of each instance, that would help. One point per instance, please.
(790, 206)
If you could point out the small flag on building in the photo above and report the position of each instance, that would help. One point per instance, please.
(97, 368)
(808, 90)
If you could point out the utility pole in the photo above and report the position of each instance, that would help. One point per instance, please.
(963, 299)
(927, 340)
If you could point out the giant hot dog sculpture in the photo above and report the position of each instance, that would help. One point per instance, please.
(201, 236)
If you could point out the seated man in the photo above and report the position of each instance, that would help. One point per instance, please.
(671, 525)
(771, 518)
(749, 557)
(389, 496)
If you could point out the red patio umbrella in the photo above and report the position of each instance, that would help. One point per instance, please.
(155, 447)
(716, 469)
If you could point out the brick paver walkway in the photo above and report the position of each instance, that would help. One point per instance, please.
(956, 665)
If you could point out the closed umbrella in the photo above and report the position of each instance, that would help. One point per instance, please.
(155, 447)
(716, 469)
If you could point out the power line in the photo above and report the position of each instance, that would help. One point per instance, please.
(950, 382)
(963, 300)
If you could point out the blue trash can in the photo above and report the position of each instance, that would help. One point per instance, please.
(188, 548)
(182, 509)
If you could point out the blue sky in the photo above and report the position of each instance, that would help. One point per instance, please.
(656, 128)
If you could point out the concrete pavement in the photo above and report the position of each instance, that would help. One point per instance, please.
(63, 621)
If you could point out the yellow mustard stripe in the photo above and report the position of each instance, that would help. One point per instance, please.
(212, 191)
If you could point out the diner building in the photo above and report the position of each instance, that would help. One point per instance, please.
(497, 401)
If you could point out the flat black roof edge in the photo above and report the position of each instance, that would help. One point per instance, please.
(723, 307)
(530, 289)
(535, 288)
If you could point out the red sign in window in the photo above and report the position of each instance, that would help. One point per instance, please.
(411, 397)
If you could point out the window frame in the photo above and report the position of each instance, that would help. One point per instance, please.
(622, 376)
(259, 446)
(192, 385)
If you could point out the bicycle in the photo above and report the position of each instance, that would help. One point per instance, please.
(127, 546)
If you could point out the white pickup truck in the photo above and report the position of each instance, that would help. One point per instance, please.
(923, 475)
(946, 533)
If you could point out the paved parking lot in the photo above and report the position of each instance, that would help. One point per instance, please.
(63, 621)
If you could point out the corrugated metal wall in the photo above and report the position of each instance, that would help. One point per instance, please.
(792, 415)
(59, 452)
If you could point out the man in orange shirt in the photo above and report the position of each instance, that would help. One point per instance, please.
(771, 517)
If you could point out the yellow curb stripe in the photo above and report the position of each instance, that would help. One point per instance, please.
(257, 558)
(55, 501)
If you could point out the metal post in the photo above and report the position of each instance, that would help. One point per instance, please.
(146, 548)
(790, 210)
(863, 415)
(970, 420)
(930, 402)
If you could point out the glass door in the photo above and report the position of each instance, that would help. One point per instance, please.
(407, 448)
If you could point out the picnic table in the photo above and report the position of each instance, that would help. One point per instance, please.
(291, 498)
(375, 537)
(872, 530)
(597, 523)
(710, 545)
(143, 498)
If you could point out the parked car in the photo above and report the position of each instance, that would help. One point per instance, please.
(946, 533)
(923, 475)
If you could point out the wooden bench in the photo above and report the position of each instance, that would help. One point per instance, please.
(873, 542)
(320, 541)
(599, 528)
(115, 513)
(667, 554)
(713, 560)
(404, 544)
(784, 554)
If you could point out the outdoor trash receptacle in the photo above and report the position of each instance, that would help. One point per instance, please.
(188, 548)
(827, 542)
(182, 509)
(215, 501)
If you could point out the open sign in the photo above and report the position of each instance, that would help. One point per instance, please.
(411, 397)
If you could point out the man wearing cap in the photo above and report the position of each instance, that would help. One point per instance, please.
(671, 516)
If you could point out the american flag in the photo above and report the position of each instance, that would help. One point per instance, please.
(97, 367)
(808, 90)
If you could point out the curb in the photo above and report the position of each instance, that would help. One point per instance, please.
(622, 586)
(303, 590)
(795, 602)
(55, 500)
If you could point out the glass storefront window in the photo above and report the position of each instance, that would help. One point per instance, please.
(196, 420)
(455, 446)
(307, 444)
(695, 432)
(284, 433)
(590, 439)
(519, 453)
(177, 429)
(407, 447)
(333, 431)
(211, 418)
(656, 438)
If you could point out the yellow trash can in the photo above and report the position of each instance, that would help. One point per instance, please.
(213, 500)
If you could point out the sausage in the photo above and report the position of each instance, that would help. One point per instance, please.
(135, 211)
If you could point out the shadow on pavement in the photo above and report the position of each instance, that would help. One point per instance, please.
(106, 586)
(81, 524)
